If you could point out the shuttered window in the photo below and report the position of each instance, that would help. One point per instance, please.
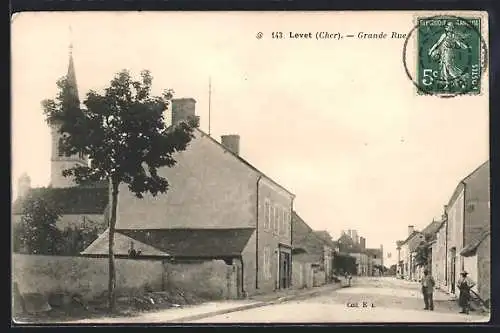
(267, 263)
(276, 219)
(267, 214)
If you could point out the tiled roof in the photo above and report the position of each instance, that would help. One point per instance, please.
(85, 199)
(471, 248)
(465, 180)
(99, 247)
(430, 231)
(305, 239)
(325, 237)
(374, 252)
(246, 162)
(432, 228)
(192, 243)
(485, 164)
(413, 234)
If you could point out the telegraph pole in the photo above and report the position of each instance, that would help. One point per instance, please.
(209, 102)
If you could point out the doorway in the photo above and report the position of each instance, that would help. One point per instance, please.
(285, 271)
(453, 268)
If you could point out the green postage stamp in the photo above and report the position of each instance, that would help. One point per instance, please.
(449, 55)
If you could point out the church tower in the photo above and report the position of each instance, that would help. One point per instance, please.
(59, 161)
(23, 185)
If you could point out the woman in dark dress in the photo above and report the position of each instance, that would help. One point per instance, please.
(465, 285)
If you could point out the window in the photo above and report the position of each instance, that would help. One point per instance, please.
(276, 219)
(267, 263)
(271, 217)
(267, 214)
(279, 222)
(287, 223)
(60, 152)
(283, 224)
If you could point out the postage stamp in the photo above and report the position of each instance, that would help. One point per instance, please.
(449, 55)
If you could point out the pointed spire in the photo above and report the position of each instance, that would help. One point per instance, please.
(71, 75)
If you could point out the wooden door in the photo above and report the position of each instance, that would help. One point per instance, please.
(453, 268)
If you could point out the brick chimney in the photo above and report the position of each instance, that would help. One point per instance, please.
(231, 142)
(411, 229)
(362, 242)
(182, 109)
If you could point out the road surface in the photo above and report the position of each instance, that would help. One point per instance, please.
(369, 300)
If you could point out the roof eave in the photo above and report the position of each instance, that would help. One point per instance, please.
(468, 252)
(248, 164)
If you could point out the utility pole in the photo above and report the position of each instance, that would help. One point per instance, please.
(209, 102)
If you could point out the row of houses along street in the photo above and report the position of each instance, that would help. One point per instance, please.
(456, 242)
(225, 230)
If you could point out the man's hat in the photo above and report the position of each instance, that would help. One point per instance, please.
(463, 273)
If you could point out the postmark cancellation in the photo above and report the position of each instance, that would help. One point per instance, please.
(450, 55)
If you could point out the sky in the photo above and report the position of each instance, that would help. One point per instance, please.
(338, 123)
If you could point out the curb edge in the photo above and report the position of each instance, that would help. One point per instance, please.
(249, 306)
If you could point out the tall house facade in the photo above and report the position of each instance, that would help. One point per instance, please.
(468, 216)
(213, 187)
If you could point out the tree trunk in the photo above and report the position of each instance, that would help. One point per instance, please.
(111, 235)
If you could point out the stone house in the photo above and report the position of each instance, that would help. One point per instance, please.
(311, 249)
(213, 188)
(468, 216)
(214, 194)
(350, 243)
(438, 254)
(83, 206)
(187, 248)
(329, 247)
(477, 263)
(375, 261)
(429, 239)
(407, 253)
(362, 262)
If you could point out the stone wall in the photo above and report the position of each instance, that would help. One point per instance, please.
(455, 239)
(484, 269)
(89, 276)
(302, 275)
(85, 276)
(206, 279)
(319, 278)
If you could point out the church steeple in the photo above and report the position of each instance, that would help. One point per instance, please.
(71, 76)
(71, 103)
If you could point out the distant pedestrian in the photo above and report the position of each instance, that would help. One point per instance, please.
(465, 284)
(428, 290)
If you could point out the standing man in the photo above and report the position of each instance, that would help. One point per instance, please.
(428, 290)
(465, 284)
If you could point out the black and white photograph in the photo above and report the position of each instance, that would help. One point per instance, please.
(250, 167)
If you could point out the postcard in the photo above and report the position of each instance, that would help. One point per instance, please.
(250, 167)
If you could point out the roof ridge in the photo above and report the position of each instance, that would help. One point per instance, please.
(463, 181)
(475, 170)
(244, 161)
(174, 229)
